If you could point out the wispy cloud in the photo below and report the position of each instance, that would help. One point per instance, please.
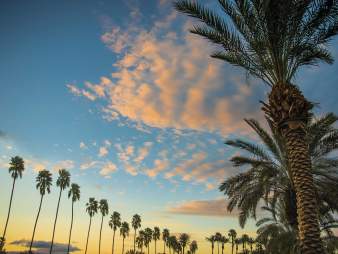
(42, 247)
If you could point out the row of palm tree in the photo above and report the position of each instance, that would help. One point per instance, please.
(271, 40)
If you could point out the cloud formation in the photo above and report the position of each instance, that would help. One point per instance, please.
(216, 207)
(166, 79)
(42, 247)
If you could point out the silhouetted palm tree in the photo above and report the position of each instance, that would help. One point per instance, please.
(115, 223)
(43, 184)
(91, 209)
(124, 232)
(156, 235)
(63, 182)
(193, 247)
(211, 239)
(140, 240)
(251, 242)
(244, 240)
(136, 223)
(232, 234)
(237, 242)
(16, 167)
(148, 234)
(184, 240)
(165, 236)
(104, 209)
(223, 241)
(271, 40)
(218, 237)
(73, 193)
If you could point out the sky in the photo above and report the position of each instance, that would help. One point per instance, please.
(121, 95)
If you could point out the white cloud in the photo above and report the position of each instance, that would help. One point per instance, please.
(108, 168)
(83, 145)
(103, 151)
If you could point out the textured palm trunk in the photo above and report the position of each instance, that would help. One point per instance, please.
(163, 246)
(123, 245)
(112, 249)
(36, 222)
(232, 246)
(155, 246)
(9, 211)
(100, 235)
(289, 111)
(134, 241)
(56, 217)
(90, 223)
(71, 227)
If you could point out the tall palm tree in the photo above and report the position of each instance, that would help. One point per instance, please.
(237, 242)
(73, 193)
(232, 235)
(43, 184)
(218, 237)
(63, 182)
(223, 241)
(136, 223)
(251, 242)
(124, 232)
(212, 240)
(156, 235)
(91, 208)
(140, 240)
(272, 40)
(16, 167)
(165, 236)
(114, 223)
(104, 209)
(193, 247)
(148, 235)
(184, 240)
(245, 239)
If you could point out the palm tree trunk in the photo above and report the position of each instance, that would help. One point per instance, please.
(90, 223)
(100, 235)
(217, 247)
(212, 250)
(134, 240)
(163, 247)
(36, 222)
(148, 248)
(155, 246)
(232, 246)
(183, 249)
(71, 227)
(123, 245)
(289, 111)
(9, 209)
(113, 242)
(56, 217)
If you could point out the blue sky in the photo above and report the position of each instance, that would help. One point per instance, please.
(120, 93)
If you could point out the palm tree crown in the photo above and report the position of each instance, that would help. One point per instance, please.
(92, 207)
(63, 180)
(74, 192)
(115, 220)
(44, 181)
(103, 207)
(16, 167)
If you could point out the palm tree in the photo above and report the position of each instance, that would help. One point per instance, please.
(271, 40)
(16, 167)
(193, 247)
(148, 234)
(156, 235)
(91, 208)
(237, 242)
(223, 241)
(63, 182)
(218, 237)
(104, 209)
(244, 239)
(73, 193)
(124, 232)
(251, 242)
(140, 240)
(212, 240)
(184, 240)
(43, 183)
(115, 223)
(232, 234)
(165, 236)
(136, 223)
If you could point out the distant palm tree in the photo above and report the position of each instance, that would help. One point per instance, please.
(124, 232)
(165, 236)
(136, 223)
(104, 209)
(140, 240)
(63, 182)
(212, 240)
(244, 240)
(115, 223)
(16, 167)
(184, 240)
(43, 183)
(232, 234)
(237, 242)
(148, 235)
(156, 235)
(91, 208)
(271, 40)
(73, 193)
(223, 241)
(173, 243)
(218, 237)
(193, 247)
(251, 242)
